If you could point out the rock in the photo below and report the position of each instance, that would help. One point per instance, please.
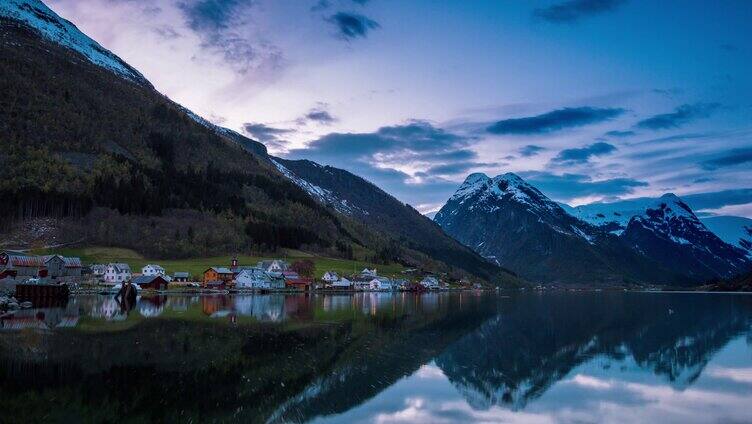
(26, 305)
(13, 305)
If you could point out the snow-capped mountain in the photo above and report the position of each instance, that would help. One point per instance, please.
(734, 230)
(512, 223)
(669, 231)
(35, 14)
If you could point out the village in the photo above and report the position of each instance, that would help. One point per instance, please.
(22, 270)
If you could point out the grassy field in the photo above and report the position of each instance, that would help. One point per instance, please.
(197, 266)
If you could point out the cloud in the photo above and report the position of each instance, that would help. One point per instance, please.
(681, 115)
(573, 10)
(456, 168)
(620, 134)
(569, 186)
(320, 5)
(731, 157)
(398, 158)
(553, 121)
(718, 199)
(270, 136)
(352, 25)
(224, 27)
(583, 154)
(530, 150)
(320, 115)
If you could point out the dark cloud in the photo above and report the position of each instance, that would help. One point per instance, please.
(320, 115)
(320, 5)
(222, 27)
(530, 150)
(668, 92)
(553, 121)
(210, 15)
(681, 115)
(729, 158)
(373, 155)
(620, 134)
(718, 199)
(583, 154)
(456, 168)
(352, 25)
(702, 180)
(574, 10)
(265, 133)
(569, 186)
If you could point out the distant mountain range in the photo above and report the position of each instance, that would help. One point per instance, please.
(509, 221)
(88, 139)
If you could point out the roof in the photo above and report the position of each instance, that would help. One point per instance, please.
(181, 274)
(155, 266)
(220, 270)
(146, 279)
(120, 267)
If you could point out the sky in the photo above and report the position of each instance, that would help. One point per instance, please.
(589, 100)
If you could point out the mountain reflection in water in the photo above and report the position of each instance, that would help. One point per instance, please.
(387, 357)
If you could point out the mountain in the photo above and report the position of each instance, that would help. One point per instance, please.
(359, 199)
(734, 230)
(509, 221)
(94, 154)
(670, 232)
(667, 229)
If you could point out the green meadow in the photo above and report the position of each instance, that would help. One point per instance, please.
(197, 266)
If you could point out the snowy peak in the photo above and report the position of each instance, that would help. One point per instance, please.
(36, 15)
(487, 193)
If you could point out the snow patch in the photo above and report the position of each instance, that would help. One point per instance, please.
(38, 16)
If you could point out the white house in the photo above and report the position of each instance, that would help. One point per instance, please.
(368, 273)
(98, 270)
(276, 265)
(381, 284)
(257, 278)
(342, 283)
(330, 277)
(117, 273)
(431, 283)
(152, 269)
(361, 284)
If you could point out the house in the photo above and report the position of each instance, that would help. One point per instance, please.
(98, 270)
(380, 284)
(181, 277)
(330, 277)
(152, 269)
(295, 281)
(360, 283)
(275, 265)
(117, 273)
(257, 278)
(342, 283)
(430, 283)
(25, 265)
(61, 266)
(154, 282)
(225, 275)
(368, 273)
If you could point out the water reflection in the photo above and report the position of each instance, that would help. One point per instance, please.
(388, 357)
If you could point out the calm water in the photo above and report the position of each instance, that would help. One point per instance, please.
(380, 357)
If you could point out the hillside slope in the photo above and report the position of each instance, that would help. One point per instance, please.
(91, 145)
(358, 198)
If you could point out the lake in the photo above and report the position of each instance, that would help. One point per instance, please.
(381, 357)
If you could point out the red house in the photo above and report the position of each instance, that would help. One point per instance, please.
(154, 282)
(294, 281)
